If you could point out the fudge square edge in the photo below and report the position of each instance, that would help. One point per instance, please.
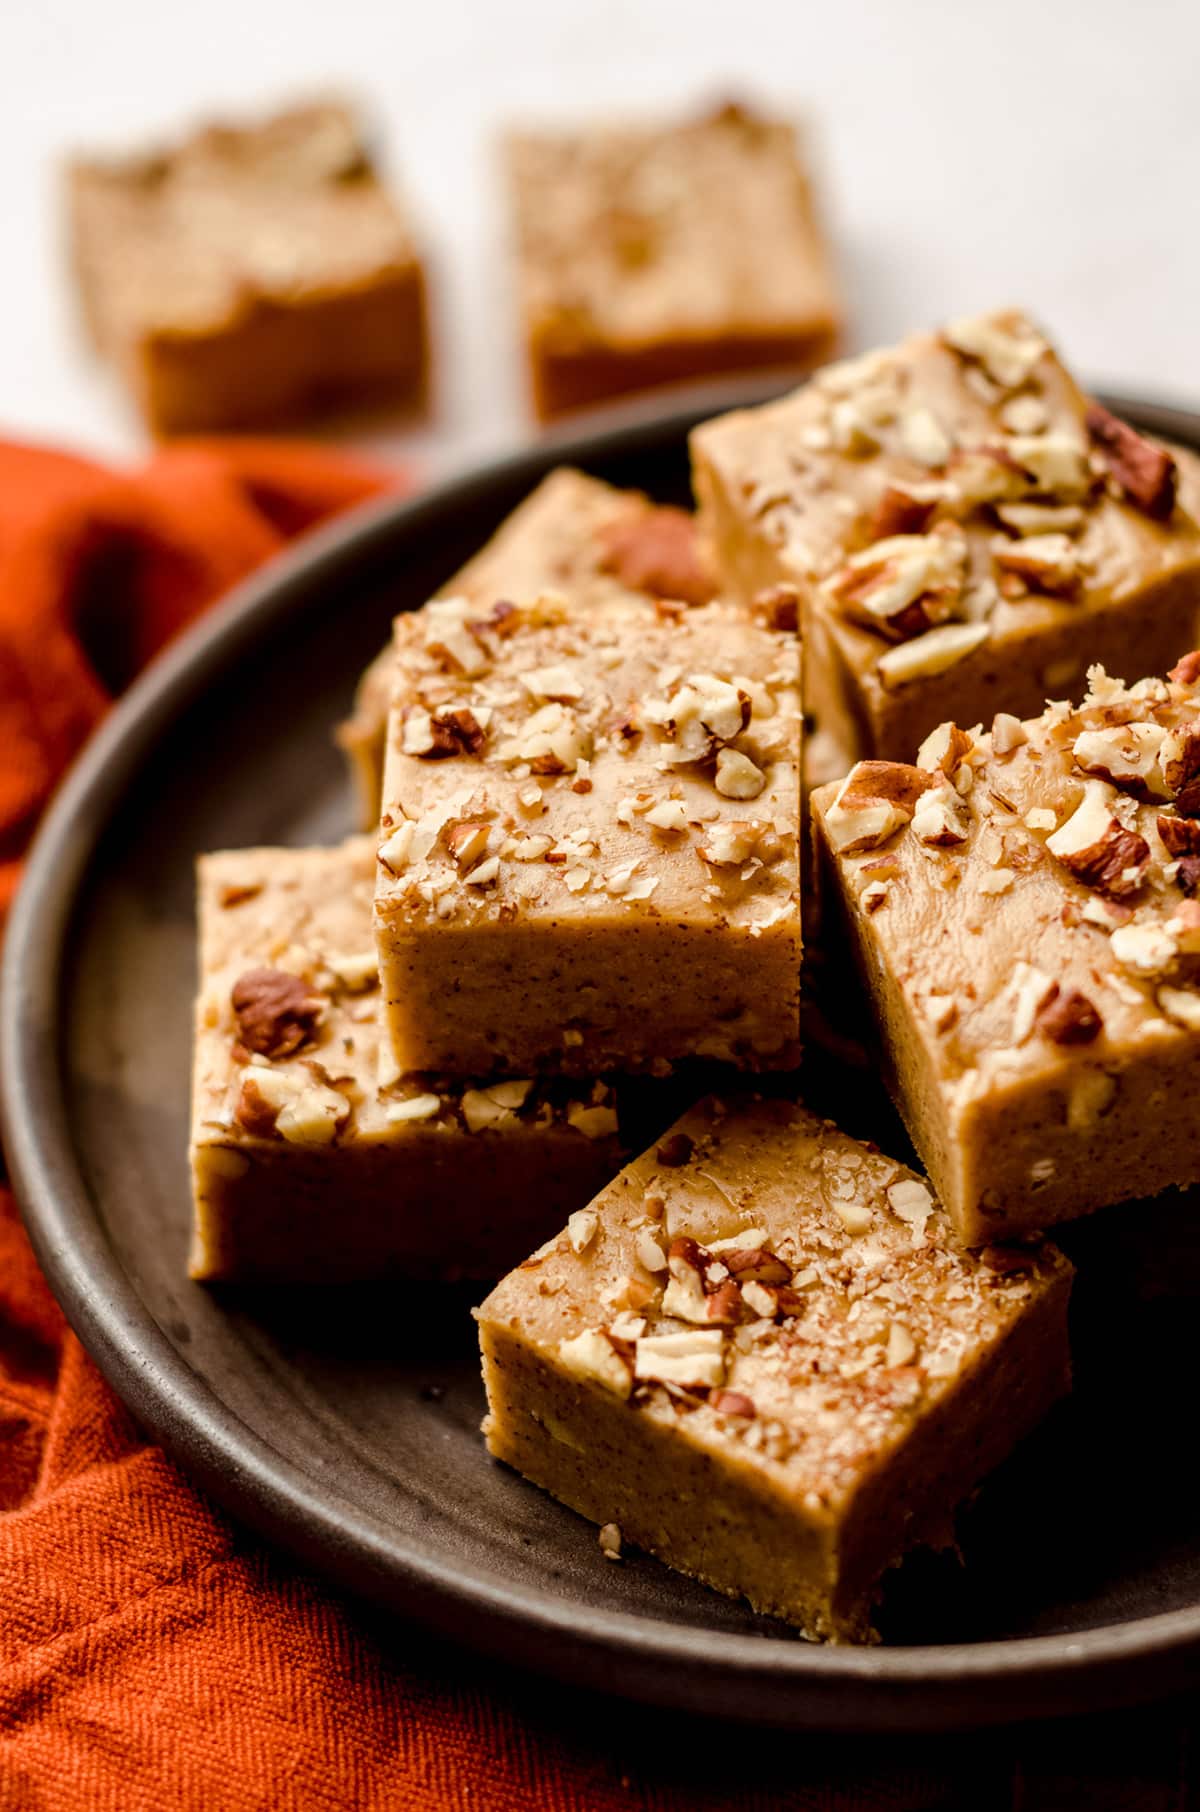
(762, 1356)
(967, 530)
(588, 856)
(1023, 909)
(313, 1158)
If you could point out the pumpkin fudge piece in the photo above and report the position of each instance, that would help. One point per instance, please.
(573, 533)
(588, 856)
(250, 273)
(762, 1356)
(1023, 905)
(313, 1159)
(648, 254)
(966, 530)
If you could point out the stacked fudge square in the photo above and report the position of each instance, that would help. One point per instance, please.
(765, 1352)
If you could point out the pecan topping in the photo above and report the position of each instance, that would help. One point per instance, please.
(1146, 473)
(276, 1012)
(502, 618)
(1115, 865)
(1188, 875)
(757, 1264)
(455, 731)
(877, 798)
(233, 894)
(1180, 761)
(1098, 849)
(901, 512)
(1068, 1018)
(254, 1113)
(732, 1403)
(655, 551)
(779, 607)
(1186, 671)
(675, 1150)
(725, 1303)
(1181, 835)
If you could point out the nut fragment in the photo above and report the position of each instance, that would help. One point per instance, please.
(277, 1013)
(295, 1107)
(593, 1357)
(1125, 754)
(931, 653)
(610, 1541)
(1068, 1017)
(1098, 849)
(1146, 473)
(904, 584)
(692, 1359)
(1008, 733)
(674, 1150)
(945, 749)
(738, 777)
(1181, 1006)
(1007, 350)
(1050, 563)
(655, 551)
(876, 799)
(700, 717)
(730, 842)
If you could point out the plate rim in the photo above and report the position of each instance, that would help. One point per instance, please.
(757, 1678)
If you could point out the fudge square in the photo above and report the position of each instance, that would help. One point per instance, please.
(312, 1158)
(761, 1355)
(967, 532)
(588, 856)
(653, 253)
(573, 533)
(1023, 905)
(250, 273)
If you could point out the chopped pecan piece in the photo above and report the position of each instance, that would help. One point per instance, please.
(1188, 875)
(1068, 1017)
(779, 608)
(732, 1403)
(455, 731)
(1186, 672)
(725, 1303)
(675, 1150)
(757, 1264)
(877, 798)
(233, 894)
(1098, 849)
(902, 512)
(904, 585)
(655, 551)
(1180, 835)
(1179, 758)
(1146, 473)
(277, 1013)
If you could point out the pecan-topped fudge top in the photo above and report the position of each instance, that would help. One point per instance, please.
(285, 208)
(548, 759)
(1037, 887)
(956, 486)
(784, 1289)
(635, 233)
(288, 1026)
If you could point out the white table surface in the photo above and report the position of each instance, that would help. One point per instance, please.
(1043, 151)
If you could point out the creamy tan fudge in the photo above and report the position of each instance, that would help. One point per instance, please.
(966, 530)
(250, 273)
(648, 254)
(588, 856)
(1023, 905)
(313, 1159)
(573, 533)
(760, 1354)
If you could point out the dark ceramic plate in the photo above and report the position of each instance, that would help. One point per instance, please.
(347, 1427)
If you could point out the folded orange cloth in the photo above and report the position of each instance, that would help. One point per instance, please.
(152, 1657)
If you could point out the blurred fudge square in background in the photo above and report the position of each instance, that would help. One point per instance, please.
(653, 253)
(251, 273)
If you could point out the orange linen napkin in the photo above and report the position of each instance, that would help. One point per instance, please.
(152, 1657)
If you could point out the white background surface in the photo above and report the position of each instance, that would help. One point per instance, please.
(1039, 151)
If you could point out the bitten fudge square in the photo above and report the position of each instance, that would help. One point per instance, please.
(1023, 905)
(588, 857)
(651, 253)
(967, 531)
(574, 534)
(762, 1356)
(313, 1159)
(251, 273)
